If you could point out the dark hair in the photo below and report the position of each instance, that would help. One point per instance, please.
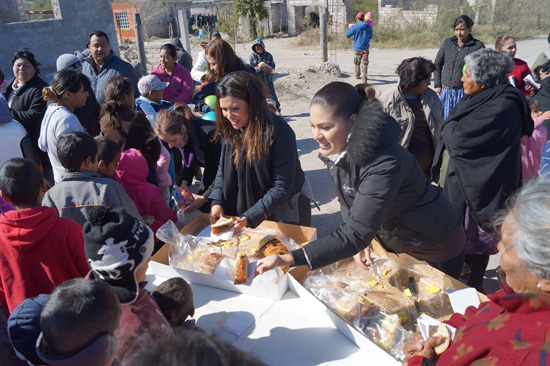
(26, 54)
(115, 90)
(499, 43)
(1, 76)
(170, 48)
(468, 22)
(65, 80)
(20, 181)
(413, 71)
(77, 310)
(245, 86)
(340, 99)
(534, 104)
(175, 299)
(74, 148)
(169, 122)
(226, 59)
(190, 347)
(219, 35)
(98, 33)
(107, 149)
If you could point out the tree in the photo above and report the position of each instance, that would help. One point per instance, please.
(254, 10)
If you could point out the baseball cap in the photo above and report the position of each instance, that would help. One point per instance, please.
(68, 61)
(359, 15)
(149, 83)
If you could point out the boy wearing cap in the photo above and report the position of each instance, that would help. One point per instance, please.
(362, 34)
(118, 248)
(150, 102)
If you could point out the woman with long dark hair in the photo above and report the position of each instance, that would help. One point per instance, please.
(259, 176)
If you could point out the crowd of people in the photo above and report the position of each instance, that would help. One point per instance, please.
(100, 154)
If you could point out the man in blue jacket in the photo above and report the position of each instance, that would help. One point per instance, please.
(362, 33)
(103, 64)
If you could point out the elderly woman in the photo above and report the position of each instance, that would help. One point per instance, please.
(517, 318)
(24, 96)
(450, 60)
(482, 136)
(416, 108)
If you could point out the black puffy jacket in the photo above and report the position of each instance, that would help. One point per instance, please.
(382, 192)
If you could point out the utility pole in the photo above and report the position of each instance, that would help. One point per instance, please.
(323, 25)
(140, 44)
(184, 29)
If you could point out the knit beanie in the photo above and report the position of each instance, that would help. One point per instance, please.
(116, 244)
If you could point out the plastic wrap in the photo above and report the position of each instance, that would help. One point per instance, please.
(194, 253)
(385, 307)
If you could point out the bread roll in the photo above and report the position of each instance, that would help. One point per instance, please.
(222, 225)
(210, 263)
(241, 269)
(441, 331)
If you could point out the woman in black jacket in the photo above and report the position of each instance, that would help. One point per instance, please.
(482, 136)
(382, 191)
(449, 62)
(259, 176)
(24, 96)
(179, 128)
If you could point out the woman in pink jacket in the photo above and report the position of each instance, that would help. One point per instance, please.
(532, 146)
(180, 89)
(132, 175)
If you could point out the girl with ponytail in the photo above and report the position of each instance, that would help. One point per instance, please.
(127, 127)
(194, 137)
(68, 89)
(382, 191)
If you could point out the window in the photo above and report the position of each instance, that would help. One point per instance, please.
(122, 20)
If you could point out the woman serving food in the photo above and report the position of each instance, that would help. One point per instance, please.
(259, 176)
(382, 191)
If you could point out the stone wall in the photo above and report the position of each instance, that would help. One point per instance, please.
(67, 33)
(389, 14)
(340, 14)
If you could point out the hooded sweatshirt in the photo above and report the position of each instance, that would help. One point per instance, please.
(40, 250)
(531, 150)
(255, 58)
(132, 175)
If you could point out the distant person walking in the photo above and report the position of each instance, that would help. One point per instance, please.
(362, 34)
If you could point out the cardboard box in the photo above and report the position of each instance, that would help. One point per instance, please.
(159, 264)
(377, 355)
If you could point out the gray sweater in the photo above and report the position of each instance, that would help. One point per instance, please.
(78, 192)
(113, 65)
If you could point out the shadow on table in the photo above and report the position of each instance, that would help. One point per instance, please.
(227, 326)
(304, 347)
(207, 294)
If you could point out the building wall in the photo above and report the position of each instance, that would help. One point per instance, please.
(67, 33)
(340, 14)
(389, 14)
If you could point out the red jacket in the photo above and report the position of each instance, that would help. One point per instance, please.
(510, 330)
(143, 315)
(521, 70)
(132, 175)
(39, 250)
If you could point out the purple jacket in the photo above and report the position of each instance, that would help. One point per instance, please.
(180, 89)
